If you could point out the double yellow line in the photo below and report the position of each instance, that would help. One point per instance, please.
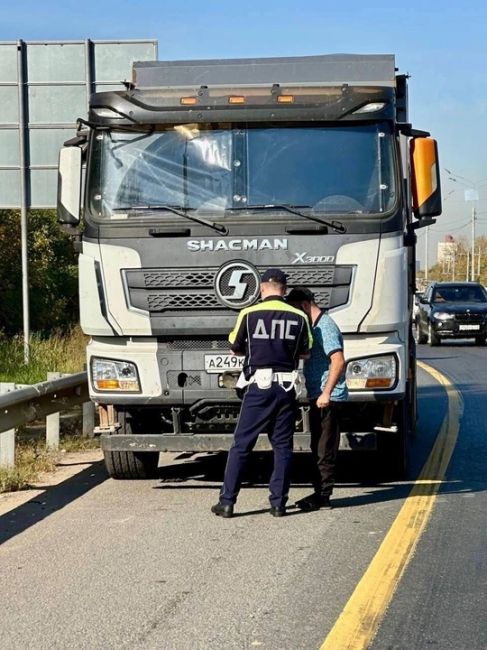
(360, 619)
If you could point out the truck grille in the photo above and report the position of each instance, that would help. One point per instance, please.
(171, 279)
(158, 302)
(188, 289)
(196, 344)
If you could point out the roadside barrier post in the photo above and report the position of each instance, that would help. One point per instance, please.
(7, 438)
(52, 421)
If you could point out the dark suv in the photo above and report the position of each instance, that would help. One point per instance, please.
(452, 310)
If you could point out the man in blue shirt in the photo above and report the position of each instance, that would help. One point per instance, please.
(272, 336)
(324, 373)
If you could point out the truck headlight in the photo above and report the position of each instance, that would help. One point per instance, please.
(373, 372)
(114, 375)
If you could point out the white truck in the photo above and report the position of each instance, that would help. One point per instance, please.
(200, 175)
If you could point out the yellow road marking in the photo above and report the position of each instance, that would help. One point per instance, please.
(360, 619)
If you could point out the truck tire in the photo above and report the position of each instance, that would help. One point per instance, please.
(412, 392)
(420, 336)
(130, 464)
(433, 339)
(480, 340)
(394, 447)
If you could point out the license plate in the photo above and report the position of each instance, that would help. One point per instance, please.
(468, 327)
(223, 362)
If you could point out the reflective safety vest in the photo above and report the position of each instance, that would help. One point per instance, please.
(271, 334)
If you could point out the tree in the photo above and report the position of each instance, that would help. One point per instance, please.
(458, 267)
(53, 291)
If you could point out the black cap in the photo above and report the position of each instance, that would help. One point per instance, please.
(274, 275)
(300, 294)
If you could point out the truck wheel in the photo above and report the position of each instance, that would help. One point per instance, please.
(412, 387)
(412, 391)
(394, 447)
(480, 340)
(131, 465)
(432, 338)
(420, 336)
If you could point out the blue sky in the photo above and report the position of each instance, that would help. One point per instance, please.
(441, 45)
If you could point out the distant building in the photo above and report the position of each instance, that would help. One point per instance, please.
(446, 250)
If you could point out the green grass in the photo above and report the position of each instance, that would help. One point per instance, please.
(32, 459)
(77, 443)
(60, 352)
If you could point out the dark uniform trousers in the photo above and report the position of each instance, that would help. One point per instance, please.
(325, 440)
(271, 410)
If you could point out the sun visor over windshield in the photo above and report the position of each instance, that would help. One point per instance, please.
(332, 69)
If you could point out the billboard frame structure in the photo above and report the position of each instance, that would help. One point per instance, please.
(23, 125)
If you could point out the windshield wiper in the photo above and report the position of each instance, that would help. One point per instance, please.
(211, 224)
(335, 225)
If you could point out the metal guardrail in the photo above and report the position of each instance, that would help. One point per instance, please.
(20, 405)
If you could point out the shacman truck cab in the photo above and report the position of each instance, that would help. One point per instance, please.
(202, 174)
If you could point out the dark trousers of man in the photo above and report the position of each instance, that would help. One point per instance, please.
(325, 440)
(272, 410)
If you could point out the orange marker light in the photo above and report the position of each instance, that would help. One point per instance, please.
(107, 384)
(236, 99)
(377, 382)
(188, 101)
(285, 99)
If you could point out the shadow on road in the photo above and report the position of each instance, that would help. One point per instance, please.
(354, 471)
(358, 467)
(54, 498)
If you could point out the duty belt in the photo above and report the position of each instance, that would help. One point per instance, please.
(284, 377)
(264, 377)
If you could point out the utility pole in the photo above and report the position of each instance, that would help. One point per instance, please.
(426, 253)
(24, 192)
(472, 273)
(471, 193)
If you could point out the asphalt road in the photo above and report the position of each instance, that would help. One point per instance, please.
(98, 564)
(441, 601)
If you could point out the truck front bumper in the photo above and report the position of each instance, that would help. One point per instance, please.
(213, 442)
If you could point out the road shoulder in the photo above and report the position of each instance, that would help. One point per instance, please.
(70, 464)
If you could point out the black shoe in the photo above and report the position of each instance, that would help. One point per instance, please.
(222, 510)
(278, 511)
(325, 502)
(314, 502)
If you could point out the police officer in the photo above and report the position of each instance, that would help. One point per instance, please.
(272, 336)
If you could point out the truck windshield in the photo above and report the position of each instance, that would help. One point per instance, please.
(221, 169)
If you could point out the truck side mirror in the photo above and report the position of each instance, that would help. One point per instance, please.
(425, 178)
(69, 185)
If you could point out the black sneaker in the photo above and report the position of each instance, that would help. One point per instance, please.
(278, 511)
(314, 502)
(222, 510)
